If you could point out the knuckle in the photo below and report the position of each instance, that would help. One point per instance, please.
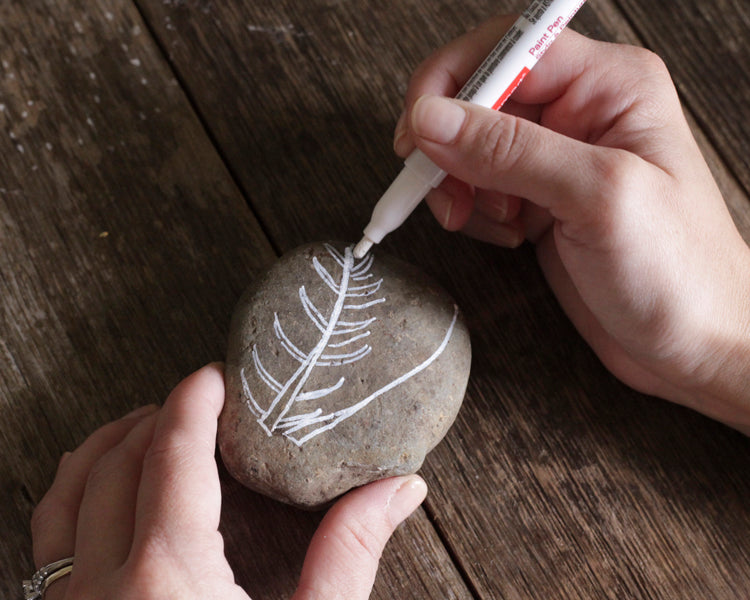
(652, 80)
(102, 468)
(650, 61)
(422, 70)
(429, 69)
(642, 60)
(167, 449)
(615, 177)
(54, 510)
(151, 574)
(112, 462)
(42, 517)
(145, 574)
(502, 146)
(361, 539)
(614, 172)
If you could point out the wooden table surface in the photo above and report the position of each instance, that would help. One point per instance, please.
(156, 154)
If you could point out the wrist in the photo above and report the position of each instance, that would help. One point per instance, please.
(722, 389)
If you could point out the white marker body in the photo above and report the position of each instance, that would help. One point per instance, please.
(490, 86)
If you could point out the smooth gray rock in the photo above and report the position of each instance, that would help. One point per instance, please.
(339, 371)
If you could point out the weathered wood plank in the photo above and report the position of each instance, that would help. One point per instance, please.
(125, 244)
(556, 481)
(266, 543)
(303, 99)
(120, 261)
(622, 499)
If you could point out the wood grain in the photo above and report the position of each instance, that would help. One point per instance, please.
(125, 244)
(556, 481)
(120, 260)
(155, 154)
(302, 101)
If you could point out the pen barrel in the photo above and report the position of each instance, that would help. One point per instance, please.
(424, 168)
(416, 179)
(490, 86)
(517, 52)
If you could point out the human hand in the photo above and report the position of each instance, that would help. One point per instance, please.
(138, 505)
(630, 228)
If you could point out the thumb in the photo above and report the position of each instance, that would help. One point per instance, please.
(343, 556)
(504, 153)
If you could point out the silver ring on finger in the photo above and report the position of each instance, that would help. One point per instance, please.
(34, 588)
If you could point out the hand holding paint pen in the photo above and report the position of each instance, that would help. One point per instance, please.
(490, 86)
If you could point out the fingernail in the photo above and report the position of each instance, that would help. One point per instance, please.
(142, 411)
(509, 236)
(437, 119)
(441, 205)
(400, 142)
(494, 208)
(405, 500)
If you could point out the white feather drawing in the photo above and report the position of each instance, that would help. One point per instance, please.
(343, 340)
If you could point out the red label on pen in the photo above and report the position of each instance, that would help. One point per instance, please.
(511, 88)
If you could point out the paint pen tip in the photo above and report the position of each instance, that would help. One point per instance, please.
(362, 248)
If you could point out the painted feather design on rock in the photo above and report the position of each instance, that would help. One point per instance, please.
(343, 341)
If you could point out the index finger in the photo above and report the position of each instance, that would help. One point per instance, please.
(179, 494)
(445, 71)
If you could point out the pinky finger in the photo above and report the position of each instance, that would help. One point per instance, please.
(54, 522)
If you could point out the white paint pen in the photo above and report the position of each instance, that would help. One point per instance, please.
(490, 86)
